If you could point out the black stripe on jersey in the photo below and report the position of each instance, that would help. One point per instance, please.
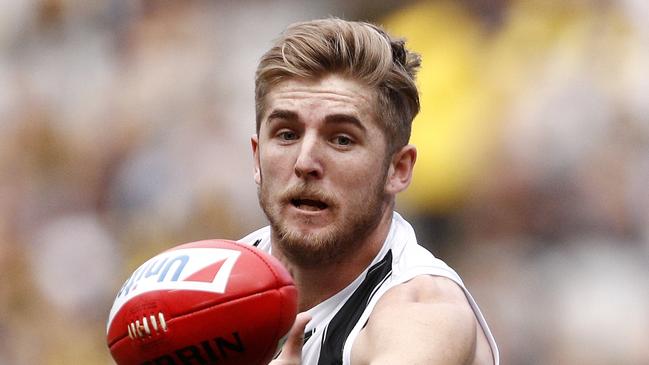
(341, 325)
(257, 242)
(308, 335)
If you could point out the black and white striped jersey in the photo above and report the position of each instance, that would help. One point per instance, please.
(336, 322)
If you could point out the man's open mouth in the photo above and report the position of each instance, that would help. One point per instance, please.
(309, 204)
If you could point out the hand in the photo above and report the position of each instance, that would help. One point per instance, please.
(292, 351)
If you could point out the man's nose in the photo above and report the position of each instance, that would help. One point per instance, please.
(309, 163)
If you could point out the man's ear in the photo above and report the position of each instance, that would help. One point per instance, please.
(254, 142)
(400, 170)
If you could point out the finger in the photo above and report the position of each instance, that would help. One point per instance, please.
(292, 349)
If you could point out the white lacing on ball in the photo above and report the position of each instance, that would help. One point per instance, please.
(141, 328)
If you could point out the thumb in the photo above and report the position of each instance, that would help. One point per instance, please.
(292, 350)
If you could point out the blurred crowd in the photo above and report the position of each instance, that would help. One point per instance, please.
(125, 126)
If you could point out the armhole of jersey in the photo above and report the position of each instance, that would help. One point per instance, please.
(347, 349)
(485, 327)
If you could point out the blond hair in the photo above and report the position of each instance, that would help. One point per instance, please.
(359, 50)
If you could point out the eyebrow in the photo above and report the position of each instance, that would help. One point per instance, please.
(282, 114)
(345, 119)
(337, 118)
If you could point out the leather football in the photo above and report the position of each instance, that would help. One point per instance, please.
(205, 302)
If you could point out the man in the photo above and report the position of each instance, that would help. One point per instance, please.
(335, 101)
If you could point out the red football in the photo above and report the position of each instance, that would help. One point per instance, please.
(205, 302)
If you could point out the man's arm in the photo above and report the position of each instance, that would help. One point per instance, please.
(427, 320)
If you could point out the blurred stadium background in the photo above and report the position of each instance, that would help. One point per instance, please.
(125, 125)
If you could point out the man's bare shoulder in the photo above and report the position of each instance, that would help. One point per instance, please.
(425, 289)
(426, 320)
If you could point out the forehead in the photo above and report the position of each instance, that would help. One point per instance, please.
(329, 94)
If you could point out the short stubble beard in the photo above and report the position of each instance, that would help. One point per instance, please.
(338, 240)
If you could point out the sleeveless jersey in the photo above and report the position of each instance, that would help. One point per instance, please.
(336, 322)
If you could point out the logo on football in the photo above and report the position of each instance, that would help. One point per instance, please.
(213, 301)
(201, 269)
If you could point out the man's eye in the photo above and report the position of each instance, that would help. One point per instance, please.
(287, 135)
(343, 140)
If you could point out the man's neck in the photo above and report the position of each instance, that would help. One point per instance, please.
(316, 284)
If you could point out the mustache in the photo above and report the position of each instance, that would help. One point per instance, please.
(306, 191)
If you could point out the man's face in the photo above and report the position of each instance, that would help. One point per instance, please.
(321, 166)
